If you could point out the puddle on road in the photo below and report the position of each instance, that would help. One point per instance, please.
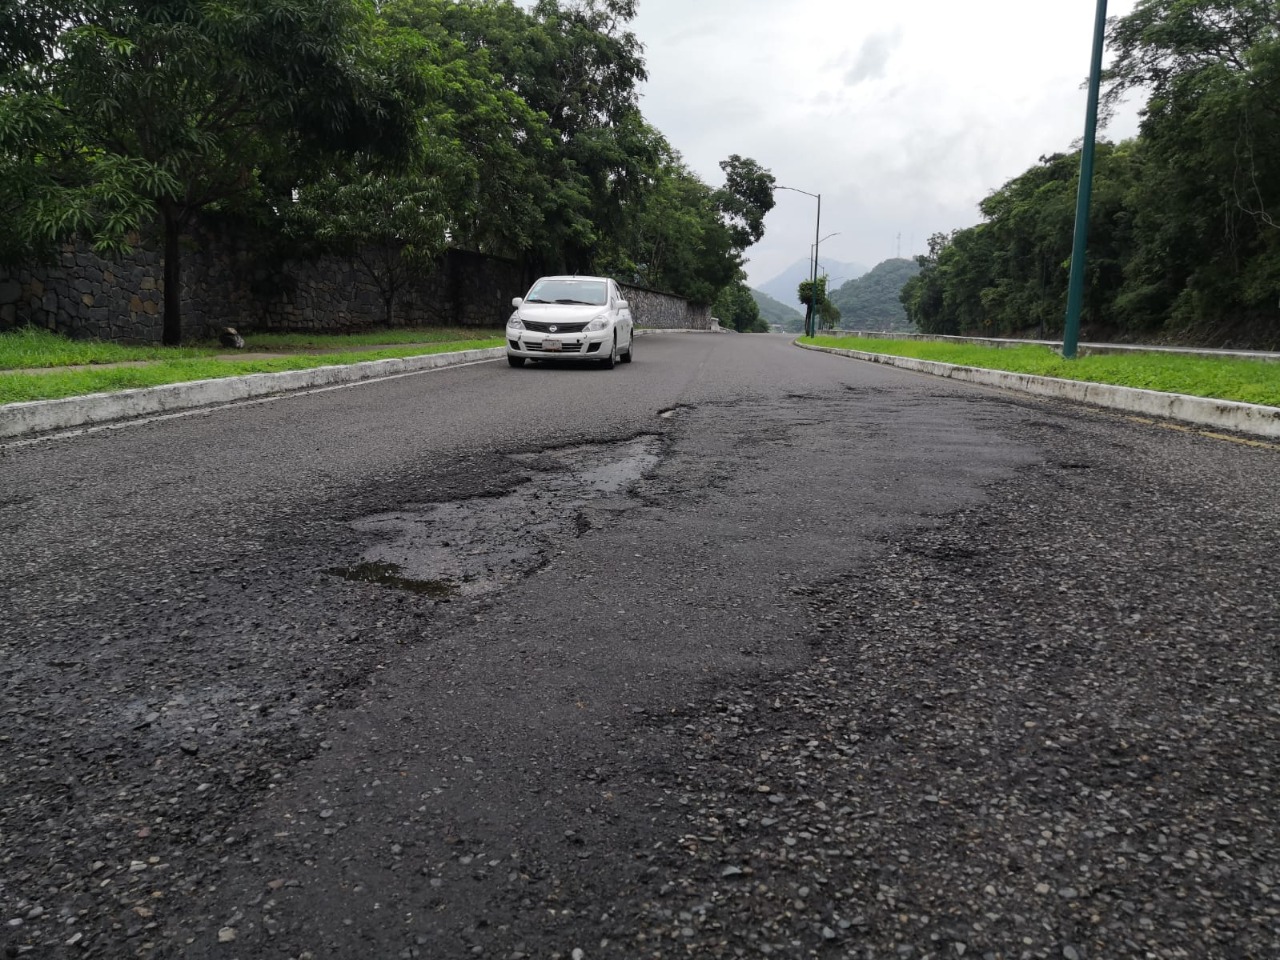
(388, 574)
(468, 547)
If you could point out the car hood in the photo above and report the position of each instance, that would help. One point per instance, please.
(559, 312)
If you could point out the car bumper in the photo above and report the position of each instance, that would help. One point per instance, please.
(570, 346)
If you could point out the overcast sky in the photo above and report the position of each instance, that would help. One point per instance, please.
(903, 114)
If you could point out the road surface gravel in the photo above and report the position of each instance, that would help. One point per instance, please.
(735, 651)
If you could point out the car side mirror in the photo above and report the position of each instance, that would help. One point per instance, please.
(516, 301)
(624, 305)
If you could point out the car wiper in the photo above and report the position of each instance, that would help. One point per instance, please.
(536, 300)
(580, 302)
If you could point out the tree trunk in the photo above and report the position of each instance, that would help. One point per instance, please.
(171, 334)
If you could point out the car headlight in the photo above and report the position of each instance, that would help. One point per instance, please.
(599, 323)
(515, 323)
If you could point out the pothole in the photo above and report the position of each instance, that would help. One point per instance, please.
(465, 548)
(389, 575)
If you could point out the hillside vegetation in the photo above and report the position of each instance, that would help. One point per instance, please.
(874, 300)
(1184, 243)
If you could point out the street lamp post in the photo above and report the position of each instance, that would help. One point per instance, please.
(817, 227)
(813, 252)
(813, 247)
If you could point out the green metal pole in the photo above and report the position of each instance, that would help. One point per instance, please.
(1075, 290)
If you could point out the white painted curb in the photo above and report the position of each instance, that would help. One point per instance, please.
(1250, 418)
(42, 416)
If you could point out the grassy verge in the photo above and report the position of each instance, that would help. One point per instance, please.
(30, 348)
(184, 364)
(1222, 378)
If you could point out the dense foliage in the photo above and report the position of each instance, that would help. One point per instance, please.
(384, 131)
(1185, 226)
(814, 295)
(873, 300)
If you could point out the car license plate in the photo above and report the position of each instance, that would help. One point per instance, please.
(551, 345)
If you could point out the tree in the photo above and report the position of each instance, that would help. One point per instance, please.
(176, 106)
(677, 235)
(745, 198)
(815, 297)
(736, 308)
(924, 294)
(575, 67)
(1206, 211)
(391, 226)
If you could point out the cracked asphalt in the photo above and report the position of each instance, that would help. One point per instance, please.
(734, 651)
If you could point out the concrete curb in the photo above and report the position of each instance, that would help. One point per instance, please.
(43, 416)
(1249, 418)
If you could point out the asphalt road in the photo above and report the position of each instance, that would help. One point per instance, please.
(736, 650)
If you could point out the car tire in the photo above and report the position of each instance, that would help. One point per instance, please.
(515, 361)
(631, 347)
(612, 358)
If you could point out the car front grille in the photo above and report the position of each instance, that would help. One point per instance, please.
(539, 327)
(568, 348)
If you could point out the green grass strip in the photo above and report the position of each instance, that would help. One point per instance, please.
(1221, 378)
(20, 385)
(30, 348)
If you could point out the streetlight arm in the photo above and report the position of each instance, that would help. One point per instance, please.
(778, 186)
(811, 323)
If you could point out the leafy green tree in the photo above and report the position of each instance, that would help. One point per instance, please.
(575, 172)
(814, 296)
(736, 308)
(1206, 257)
(1008, 275)
(392, 227)
(745, 199)
(177, 106)
(923, 296)
(680, 235)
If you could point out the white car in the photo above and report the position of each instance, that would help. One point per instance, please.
(571, 318)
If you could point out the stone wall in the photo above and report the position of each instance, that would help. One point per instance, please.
(334, 294)
(227, 281)
(664, 311)
(82, 295)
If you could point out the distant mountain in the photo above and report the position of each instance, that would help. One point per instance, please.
(773, 312)
(871, 302)
(783, 287)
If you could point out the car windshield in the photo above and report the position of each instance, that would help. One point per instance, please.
(592, 293)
